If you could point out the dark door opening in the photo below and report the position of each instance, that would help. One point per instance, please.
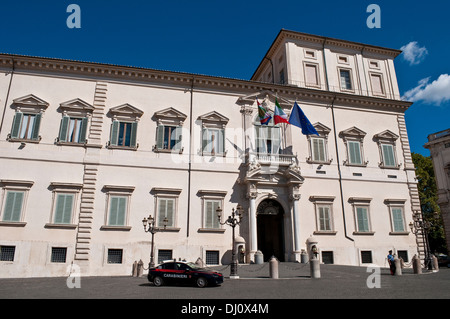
(270, 229)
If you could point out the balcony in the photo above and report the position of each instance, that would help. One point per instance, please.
(272, 159)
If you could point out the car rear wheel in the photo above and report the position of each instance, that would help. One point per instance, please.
(201, 282)
(158, 281)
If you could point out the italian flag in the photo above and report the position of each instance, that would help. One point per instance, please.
(278, 115)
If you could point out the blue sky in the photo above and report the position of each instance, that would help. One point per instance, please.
(229, 38)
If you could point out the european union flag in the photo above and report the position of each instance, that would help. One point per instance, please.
(298, 118)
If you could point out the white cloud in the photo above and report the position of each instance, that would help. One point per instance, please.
(435, 92)
(413, 53)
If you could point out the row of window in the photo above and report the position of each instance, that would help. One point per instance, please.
(365, 256)
(118, 208)
(361, 214)
(268, 138)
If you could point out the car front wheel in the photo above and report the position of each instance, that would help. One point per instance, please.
(201, 282)
(158, 281)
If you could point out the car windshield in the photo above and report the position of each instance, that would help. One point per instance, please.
(195, 266)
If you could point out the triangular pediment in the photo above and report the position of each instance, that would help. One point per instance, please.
(353, 132)
(214, 117)
(386, 135)
(77, 105)
(170, 114)
(126, 110)
(321, 128)
(31, 101)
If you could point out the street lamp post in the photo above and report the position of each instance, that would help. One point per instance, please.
(233, 222)
(150, 222)
(423, 225)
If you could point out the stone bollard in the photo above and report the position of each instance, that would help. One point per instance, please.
(134, 271)
(315, 268)
(416, 265)
(140, 268)
(398, 266)
(259, 258)
(435, 263)
(273, 267)
(303, 257)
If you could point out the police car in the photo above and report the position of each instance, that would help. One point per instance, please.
(178, 272)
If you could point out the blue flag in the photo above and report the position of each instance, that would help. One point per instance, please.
(298, 118)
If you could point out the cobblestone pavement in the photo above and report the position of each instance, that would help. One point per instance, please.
(343, 282)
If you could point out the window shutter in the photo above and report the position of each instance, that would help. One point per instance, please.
(63, 212)
(13, 206)
(261, 139)
(178, 137)
(388, 155)
(160, 137)
(206, 143)
(117, 211)
(355, 152)
(170, 212)
(133, 138)
(15, 130)
(363, 222)
(63, 129)
(221, 137)
(83, 130)
(114, 139)
(36, 127)
(166, 210)
(275, 133)
(397, 218)
(211, 219)
(318, 149)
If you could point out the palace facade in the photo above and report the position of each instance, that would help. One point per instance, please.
(87, 150)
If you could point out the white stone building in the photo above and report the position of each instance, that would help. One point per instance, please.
(87, 150)
(439, 146)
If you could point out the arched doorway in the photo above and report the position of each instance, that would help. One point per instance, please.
(270, 229)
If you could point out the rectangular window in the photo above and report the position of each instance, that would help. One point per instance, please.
(324, 216)
(362, 219)
(115, 256)
(164, 255)
(366, 257)
(12, 211)
(398, 224)
(7, 253)
(354, 152)
(58, 255)
(211, 218)
(268, 139)
(318, 150)
(123, 134)
(403, 254)
(327, 257)
(63, 208)
(212, 257)
(311, 77)
(26, 126)
(388, 155)
(168, 137)
(73, 130)
(346, 82)
(377, 84)
(213, 141)
(117, 210)
(166, 209)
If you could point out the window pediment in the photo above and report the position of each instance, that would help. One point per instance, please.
(30, 102)
(126, 111)
(212, 118)
(170, 116)
(323, 130)
(386, 136)
(353, 133)
(76, 106)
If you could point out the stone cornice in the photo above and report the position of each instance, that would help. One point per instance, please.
(105, 72)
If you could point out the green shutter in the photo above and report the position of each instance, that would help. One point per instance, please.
(178, 137)
(15, 130)
(63, 209)
(160, 137)
(117, 211)
(36, 127)
(388, 155)
(133, 137)
(206, 144)
(354, 152)
(363, 222)
(114, 139)
(13, 206)
(63, 129)
(83, 130)
(318, 149)
(221, 142)
(397, 219)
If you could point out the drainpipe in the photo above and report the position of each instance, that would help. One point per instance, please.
(190, 156)
(336, 146)
(7, 95)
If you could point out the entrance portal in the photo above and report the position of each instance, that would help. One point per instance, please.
(270, 229)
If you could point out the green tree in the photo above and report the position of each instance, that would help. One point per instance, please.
(428, 200)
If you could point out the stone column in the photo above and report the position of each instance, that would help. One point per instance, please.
(252, 222)
(295, 197)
